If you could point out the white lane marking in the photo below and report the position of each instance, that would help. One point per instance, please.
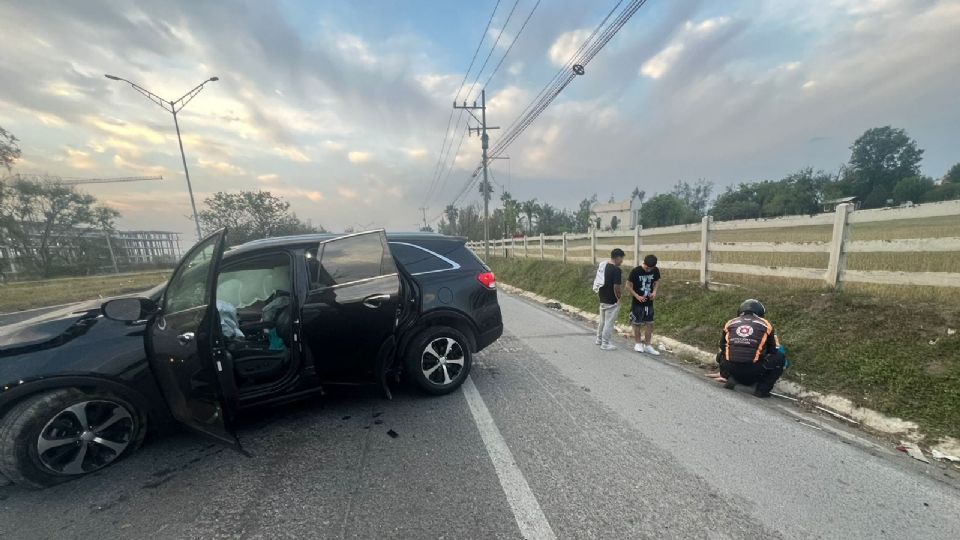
(526, 510)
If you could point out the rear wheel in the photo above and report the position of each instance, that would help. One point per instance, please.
(439, 359)
(62, 434)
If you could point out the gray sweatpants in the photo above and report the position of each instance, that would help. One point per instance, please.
(608, 321)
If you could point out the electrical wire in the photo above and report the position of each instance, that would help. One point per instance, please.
(512, 43)
(446, 133)
(493, 48)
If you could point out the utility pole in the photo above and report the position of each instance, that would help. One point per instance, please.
(423, 209)
(485, 144)
(173, 107)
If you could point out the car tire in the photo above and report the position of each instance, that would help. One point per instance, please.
(43, 443)
(438, 360)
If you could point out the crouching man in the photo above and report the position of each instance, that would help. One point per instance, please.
(750, 351)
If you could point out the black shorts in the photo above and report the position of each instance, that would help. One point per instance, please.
(641, 313)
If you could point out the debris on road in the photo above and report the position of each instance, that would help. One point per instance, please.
(913, 451)
(940, 456)
(951, 331)
(553, 305)
(393, 434)
(838, 415)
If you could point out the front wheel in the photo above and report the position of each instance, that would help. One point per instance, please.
(439, 359)
(62, 434)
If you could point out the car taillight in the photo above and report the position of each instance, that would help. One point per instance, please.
(488, 279)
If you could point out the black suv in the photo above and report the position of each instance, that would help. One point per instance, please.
(263, 323)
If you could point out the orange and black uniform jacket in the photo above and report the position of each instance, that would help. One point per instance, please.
(748, 339)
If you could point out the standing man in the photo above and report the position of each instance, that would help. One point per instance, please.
(750, 351)
(642, 285)
(607, 286)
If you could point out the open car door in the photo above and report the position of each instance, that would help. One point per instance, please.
(187, 352)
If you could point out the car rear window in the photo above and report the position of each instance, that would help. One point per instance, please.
(420, 260)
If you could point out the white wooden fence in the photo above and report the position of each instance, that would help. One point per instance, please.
(545, 247)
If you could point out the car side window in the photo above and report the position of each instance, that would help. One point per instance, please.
(188, 289)
(350, 259)
(418, 260)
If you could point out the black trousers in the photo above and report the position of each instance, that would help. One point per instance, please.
(752, 373)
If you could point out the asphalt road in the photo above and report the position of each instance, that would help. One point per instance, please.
(19, 316)
(551, 438)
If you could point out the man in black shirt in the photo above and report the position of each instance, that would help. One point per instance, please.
(642, 284)
(607, 284)
(750, 351)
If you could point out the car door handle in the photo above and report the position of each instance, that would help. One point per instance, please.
(185, 338)
(376, 300)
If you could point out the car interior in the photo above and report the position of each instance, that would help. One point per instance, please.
(256, 317)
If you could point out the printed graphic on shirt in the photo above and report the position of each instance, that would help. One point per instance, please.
(643, 280)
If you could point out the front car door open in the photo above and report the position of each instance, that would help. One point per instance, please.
(186, 345)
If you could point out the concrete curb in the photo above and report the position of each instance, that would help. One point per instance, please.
(836, 406)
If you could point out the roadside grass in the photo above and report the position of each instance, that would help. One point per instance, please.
(25, 295)
(890, 353)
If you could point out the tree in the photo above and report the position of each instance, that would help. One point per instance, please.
(511, 212)
(614, 222)
(584, 214)
(879, 159)
(953, 175)
(696, 196)
(667, 209)
(530, 209)
(9, 150)
(913, 189)
(251, 215)
(46, 223)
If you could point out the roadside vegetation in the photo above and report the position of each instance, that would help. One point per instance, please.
(891, 351)
(24, 295)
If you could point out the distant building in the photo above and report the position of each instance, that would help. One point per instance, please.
(831, 205)
(129, 248)
(623, 215)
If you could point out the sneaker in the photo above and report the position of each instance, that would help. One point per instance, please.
(608, 347)
(638, 347)
(598, 342)
(651, 350)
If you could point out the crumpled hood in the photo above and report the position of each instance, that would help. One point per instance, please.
(48, 326)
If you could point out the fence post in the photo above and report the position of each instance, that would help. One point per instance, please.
(838, 245)
(563, 249)
(513, 246)
(637, 245)
(705, 250)
(526, 253)
(541, 246)
(593, 246)
(504, 244)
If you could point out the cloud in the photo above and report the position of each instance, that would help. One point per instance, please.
(268, 178)
(566, 45)
(221, 167)
(416, 153)
(76, 159)
(657, 66)
(347, 193)
(292, 153)
(357, 156)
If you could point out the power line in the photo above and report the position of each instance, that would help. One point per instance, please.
(446, 132)
(512, 43)
(585, 54)
(493, 48)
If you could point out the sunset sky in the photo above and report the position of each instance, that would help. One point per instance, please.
(341, 106)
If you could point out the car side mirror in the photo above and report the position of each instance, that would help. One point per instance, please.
(129, 309)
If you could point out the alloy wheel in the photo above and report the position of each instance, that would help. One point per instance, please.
(85, 436)
(442, 361)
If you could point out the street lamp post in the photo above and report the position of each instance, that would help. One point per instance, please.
(173, 107)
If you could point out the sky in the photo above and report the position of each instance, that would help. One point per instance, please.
(342, 107)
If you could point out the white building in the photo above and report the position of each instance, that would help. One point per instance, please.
(623, 215)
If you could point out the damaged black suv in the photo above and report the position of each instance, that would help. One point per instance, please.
(263, 323)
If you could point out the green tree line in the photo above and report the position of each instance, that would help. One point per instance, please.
(883, 170)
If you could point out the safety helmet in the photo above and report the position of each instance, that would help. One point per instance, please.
(752, 306)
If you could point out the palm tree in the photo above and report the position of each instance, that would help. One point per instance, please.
(530, 208)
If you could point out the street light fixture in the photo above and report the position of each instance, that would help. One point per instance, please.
(173, 107)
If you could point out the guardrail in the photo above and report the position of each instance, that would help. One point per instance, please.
(559, 248)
